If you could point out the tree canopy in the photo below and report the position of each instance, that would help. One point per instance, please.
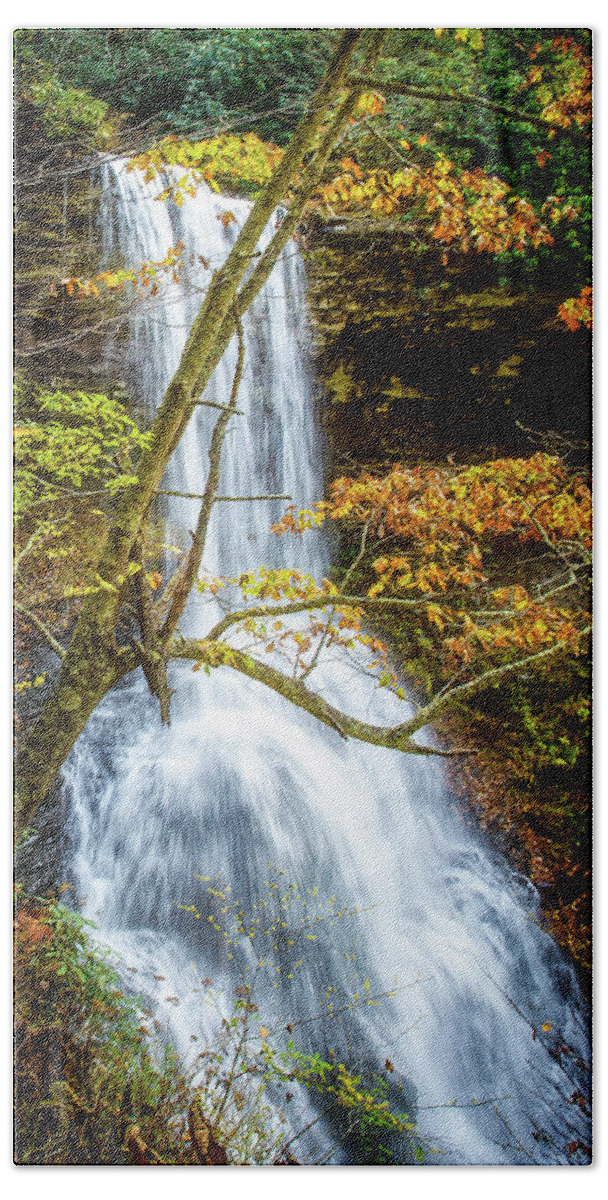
(383, 135)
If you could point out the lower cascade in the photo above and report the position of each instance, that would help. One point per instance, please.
(438, 964)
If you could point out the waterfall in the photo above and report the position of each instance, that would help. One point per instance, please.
(243, 785)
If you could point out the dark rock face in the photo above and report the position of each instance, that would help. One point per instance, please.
(39, 859)
(61, 336)
(420, 361)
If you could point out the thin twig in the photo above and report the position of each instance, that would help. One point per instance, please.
(41, 627)
(335, 599)
(222, 407)
(400, 89)
(304, 1130)
(217, 499)
(187, 574)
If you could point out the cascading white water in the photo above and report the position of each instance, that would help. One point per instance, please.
(242, 780)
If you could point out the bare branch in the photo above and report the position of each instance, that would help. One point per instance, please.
(33, 539)
(278, 496)
(319, 649)
(41, 627)
(188, 572)
(211, 404)
(358, 557)
(463, 691)
(547, 540)
(215, 654)
(64, 491)
(396, 737)
(334, 599)
(154, 666)
(200, 495)
(404, 89)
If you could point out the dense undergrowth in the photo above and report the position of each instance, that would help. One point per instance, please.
(95, 1086)
(86, 1071)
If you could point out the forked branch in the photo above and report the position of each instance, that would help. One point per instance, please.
(395, 737)
(309, 604)
(439, 97)
(42, 628)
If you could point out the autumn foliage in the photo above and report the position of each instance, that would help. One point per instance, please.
(86, 1071)
(578, 310)
(441, 531)
(491, 564)
(226, 162)
(441, 199)
(458, 208)
(562, 83)
(487, 565)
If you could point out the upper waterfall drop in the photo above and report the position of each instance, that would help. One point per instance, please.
(242, 779)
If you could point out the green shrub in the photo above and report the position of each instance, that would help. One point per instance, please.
(71, 113)
(87, 1071)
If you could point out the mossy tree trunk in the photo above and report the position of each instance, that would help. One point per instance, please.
(93, 661)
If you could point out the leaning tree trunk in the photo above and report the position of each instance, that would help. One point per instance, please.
(93, 662)
(87, 673)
